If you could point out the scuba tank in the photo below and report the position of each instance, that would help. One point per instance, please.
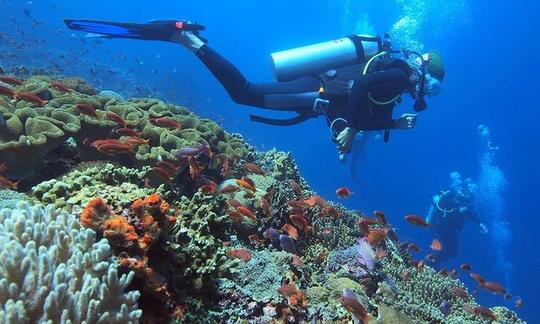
(314, 59)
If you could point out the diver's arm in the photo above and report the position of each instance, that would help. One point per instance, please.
(356, 109)
(473, 216)
(431, 212)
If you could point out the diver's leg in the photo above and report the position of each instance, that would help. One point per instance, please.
(264, 95)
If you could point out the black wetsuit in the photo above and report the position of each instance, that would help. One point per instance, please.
(448, 224)
(385, 80)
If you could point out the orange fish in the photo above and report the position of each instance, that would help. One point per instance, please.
(235, 215)
(255, 239)
(245, 183)
(127, 132)
(195, 167)
(241, 254)
(209, 188)
(494, 287)
(465, 267)
(288, 290)
(299, 221)
(248, 195)
(327, 232)
(6, 91)
(30, 97)
(417, 220)
(291, 230)
(436, 245)
(296, 261)
(459, 292)
(114, 148)
(250, 167)
(97, 143)
(87, 109)
(343, 192)
(376, 236)
(316, 200)
(234, 203)
(10, 80)
(405, 275)
(484, 312)
(356, 309)
(421, 264)
(112, 116)
(380, 217)
(60, 86)
(228, 189)
(320, 257)
(413, 247)
(296, 187)
(246, 212)
(135, 141)
(265, 206)
(478, 278)
(6, 183)
(165, 122)
(162, 174)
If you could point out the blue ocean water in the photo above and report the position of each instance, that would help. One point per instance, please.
(491, 79)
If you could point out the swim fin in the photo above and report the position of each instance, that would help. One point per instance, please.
(161, 30)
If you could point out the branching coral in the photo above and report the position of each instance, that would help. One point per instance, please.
(53, 270)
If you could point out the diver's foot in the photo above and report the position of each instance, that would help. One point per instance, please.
(189, 40)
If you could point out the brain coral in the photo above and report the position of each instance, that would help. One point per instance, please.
(52, 270)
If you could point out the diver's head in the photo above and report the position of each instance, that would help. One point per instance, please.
(429, 74)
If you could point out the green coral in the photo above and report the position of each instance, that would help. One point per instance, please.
(10, 198)
(119, 186)
(197, 244)
(33, 132)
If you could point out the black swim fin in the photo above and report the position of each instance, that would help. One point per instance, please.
(161, 30)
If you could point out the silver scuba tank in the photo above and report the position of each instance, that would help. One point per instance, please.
(314, 59)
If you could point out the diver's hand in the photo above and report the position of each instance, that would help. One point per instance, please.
(483, 228)
(187, 38)
(345, 139)
(406, 121)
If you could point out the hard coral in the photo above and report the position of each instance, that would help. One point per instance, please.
(95, 213)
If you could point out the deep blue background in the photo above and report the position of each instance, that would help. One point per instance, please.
(492, 78)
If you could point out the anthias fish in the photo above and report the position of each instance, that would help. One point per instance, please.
(417, 220)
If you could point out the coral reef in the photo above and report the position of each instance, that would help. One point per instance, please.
(10, 198)
(53, 270)
(33, 130)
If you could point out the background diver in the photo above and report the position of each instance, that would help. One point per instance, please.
(448, 212)
(355, 82)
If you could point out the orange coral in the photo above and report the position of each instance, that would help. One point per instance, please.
(117, 227)
(95, 213)
(138, 207)
(152, 199)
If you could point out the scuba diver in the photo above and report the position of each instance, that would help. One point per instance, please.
(448, 212)
(355, 82)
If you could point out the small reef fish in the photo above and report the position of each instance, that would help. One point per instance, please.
(380, 253)
(30, 97)
(112, 116)
(493, 287)
(165, 122)
(61, 86)
(287, 244)
(234, 203)
(6, 183)
(135, 140)
(316, 201)
(478, 278)
(445, 307)
(296, 187)
(436, 245)
(255, 239)
(167, 166)
(343, 192)
(209, 188)
(431, 257)
(291, 230)
(6, 91)
(296, 261)
(376, 236)
(253, 168)
(241, 254)
(228, 189)
(413, 247)
(98, 143)
(405, 275)
(381, 217)
(11, 80)
(484, 312)
(300, 221)
(417, 220)
(366, 253)
(519, 303)
(247, 212)
(162, 174)
(272, 233)
(265, 206)
(87, 109)
(127, 132)
(246, 184)
(352, 304)
(190, 151)
(465, 267)
(459, 292)
(235, 215)
(288, 290)
(115, 148)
